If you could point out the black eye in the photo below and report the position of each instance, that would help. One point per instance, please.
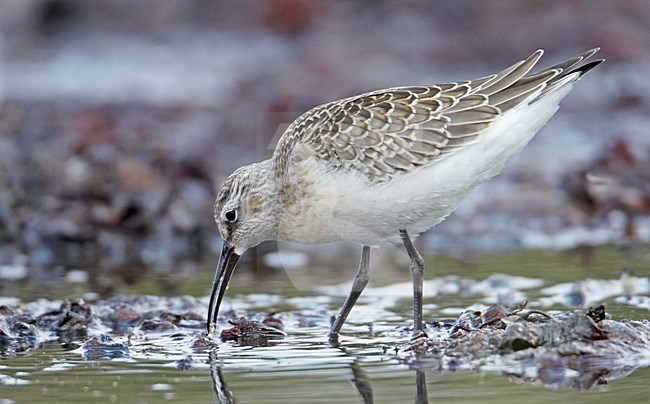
(231, 215)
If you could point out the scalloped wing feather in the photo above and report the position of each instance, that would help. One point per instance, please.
(386, 133)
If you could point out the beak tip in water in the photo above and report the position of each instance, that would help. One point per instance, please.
(225, 268)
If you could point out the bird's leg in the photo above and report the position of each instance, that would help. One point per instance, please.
(417, 275)
(359, 283)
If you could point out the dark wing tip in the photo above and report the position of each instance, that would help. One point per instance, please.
(586, 67)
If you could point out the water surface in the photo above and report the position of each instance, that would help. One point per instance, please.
(370, 365)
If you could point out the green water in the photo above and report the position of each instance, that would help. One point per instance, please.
(153, 381)
(303, 367)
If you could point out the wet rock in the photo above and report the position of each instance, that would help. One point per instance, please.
(119, 316)
(73, 321)
(273, 322)
(420, 344)
(559, 330)
(120, 313)
(571, 349)
(252, 332)
(201, 342)
(17, 337)
(468, 320)
(494, 314)
(17, 333)
(597, 314)
(73, 317)
(194, 316)
(160, 320)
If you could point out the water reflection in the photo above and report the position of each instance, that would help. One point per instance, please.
(358, 377)
(421, 396)
(361, 381)
(220, 390)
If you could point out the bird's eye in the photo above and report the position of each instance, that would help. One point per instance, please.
(231, 216)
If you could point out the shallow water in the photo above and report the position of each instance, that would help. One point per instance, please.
(319, 375)
(371, 365)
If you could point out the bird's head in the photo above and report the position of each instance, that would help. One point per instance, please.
(246, 207)
(246, 213)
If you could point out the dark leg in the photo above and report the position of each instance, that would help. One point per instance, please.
(359, 283)
(417, 275)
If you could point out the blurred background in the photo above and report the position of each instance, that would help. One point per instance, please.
(120, 120)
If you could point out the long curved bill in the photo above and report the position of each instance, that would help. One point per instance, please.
(225, 268)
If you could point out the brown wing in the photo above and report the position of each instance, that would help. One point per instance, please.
(389, 132)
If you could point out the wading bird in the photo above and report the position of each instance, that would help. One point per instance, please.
(385, 166)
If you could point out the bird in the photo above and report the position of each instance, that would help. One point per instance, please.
(384, 167)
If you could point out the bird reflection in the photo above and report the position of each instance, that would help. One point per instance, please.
(359, 378)
(220, 390)
(361, 382)
(421, 396)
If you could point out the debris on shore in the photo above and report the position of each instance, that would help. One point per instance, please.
(571, 349)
